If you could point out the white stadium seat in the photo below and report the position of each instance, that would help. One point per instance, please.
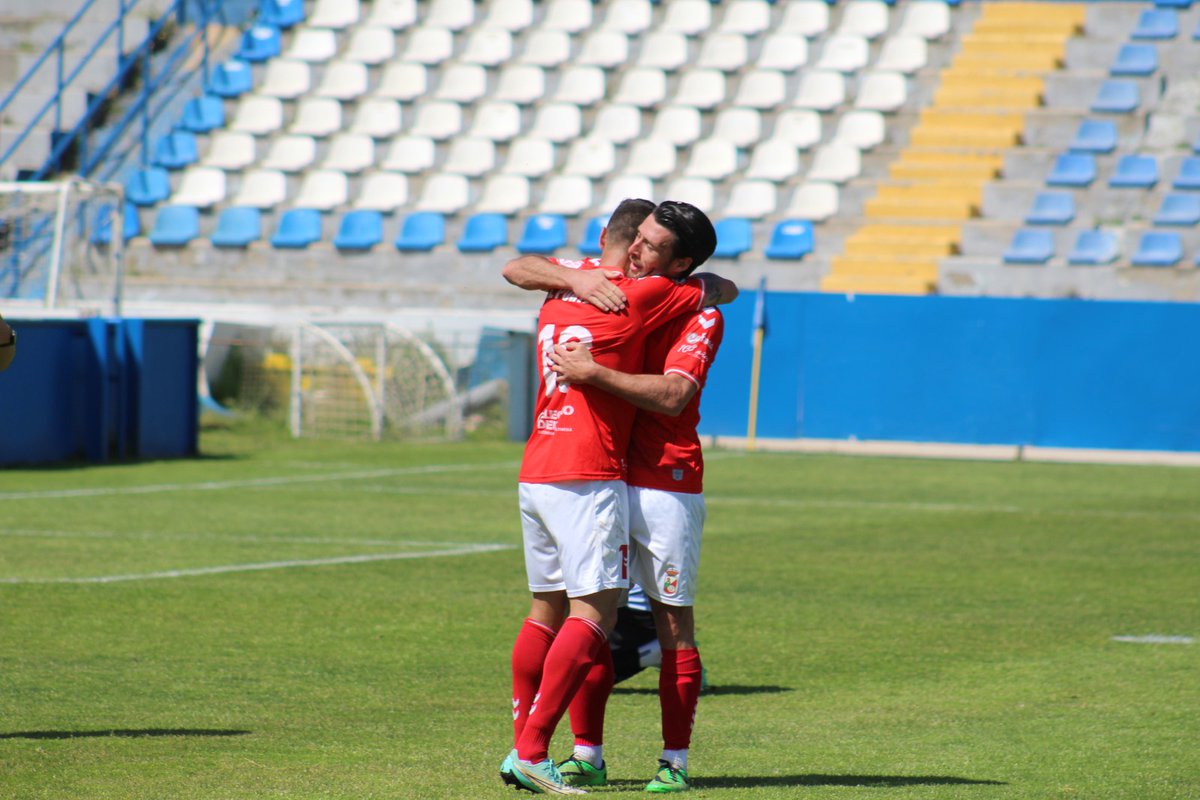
(786, 52)
(286, 79)
(929, 19)
(581, 85)
(371, 45)
(343, 80)
(510, 15)
(814, 201)
(230, 151)
(801, 127)
(504, 194)
(569, 16)
(697, 191)
(317, 116)
(453, 15)
(403, 81)
(844, 53)
(688, 17)
(336, 14)
(862, 129)
(378, 117)
(462, 83)
(429, 46)
(835, 162)
(807, 18)
(383, 191)
(323, 189)
(261, 189)
(881, 91)
(258, 115)
(628, 16)
(445, 194)
(762, 89)
(774, 160)
(644, 87)
(496, 120)
(618, 123)
(604, 48)
(591, 157)
(751, 199)
(653, 158)
(701, 88)
(742, 126)
(411, 154)
(727, 52)
(715, 159)
(470, 157)
(903, 53)
(488, 47)
(546, 48)
(530, 157)
(679, 125)
(623, 187)
(664, 50)
(520, 83)
(393, 14)
(867, 18)
(202, 187)
(557, 122)
(437, 119)
(747, 17)
(291, 153)
(820, 90)
(569, 195)
(314, 45)
(350, 153)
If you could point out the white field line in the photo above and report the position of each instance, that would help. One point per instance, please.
(252, 538)
(268, 565)
(1154, 638)
(249, 483)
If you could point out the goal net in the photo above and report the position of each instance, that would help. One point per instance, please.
(61, 242)
(340, 380)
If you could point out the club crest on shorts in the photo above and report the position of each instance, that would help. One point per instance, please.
(670, 584)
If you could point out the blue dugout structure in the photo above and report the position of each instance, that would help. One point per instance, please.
(1048, 373)
(99, 389)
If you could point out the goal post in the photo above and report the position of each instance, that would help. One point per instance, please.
(62, 242)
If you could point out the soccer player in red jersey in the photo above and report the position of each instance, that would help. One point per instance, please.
(666, 504)
(574, 502)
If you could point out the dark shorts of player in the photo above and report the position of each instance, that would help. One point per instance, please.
(633, 630)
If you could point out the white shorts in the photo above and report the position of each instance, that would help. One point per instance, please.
(664, 540)
(576, 536)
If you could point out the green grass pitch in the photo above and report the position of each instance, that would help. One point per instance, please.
(284, 619)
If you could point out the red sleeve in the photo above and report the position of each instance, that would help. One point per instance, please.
(659, 300)
(694, 347)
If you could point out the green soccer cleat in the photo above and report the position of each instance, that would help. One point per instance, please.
(577, 772)
(540, 778)
(669, 779)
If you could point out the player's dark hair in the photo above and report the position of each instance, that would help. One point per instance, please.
(626, 218)
(695, 237)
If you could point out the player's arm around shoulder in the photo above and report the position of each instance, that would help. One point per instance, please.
(536, 273)
(663, 394)
(717, 290)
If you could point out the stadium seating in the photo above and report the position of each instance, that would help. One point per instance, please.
(175, 226)
(1188, 176)
(1178, 208)
(262, 189)
(395, 15)
(1030, 246)
(1158, 249)
(1095, 136)
(1134, 172)
(1156, 24)
(257, 115)
(752, 199)
(383, 191)
(1073, 169)
(231, 79)
(1135, 60)
(231, 151)
(504, 194)
(297, 229)
(102, 228)
(290, 153)
(175, 150)
(1093, 248)
(1116, 96)
(543, 233)
(359, 229)
(1051, 208)
(735, 236)
(202, 187)
(813, 200)
(589, 244)
(238, 226)
(791, 239)
(483, 233)
(421, 231)
(281, 13)
(203, 114)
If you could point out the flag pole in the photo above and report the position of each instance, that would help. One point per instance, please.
(760, 326)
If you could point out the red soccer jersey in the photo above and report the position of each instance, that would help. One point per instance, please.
(664, 451)
(581, 432)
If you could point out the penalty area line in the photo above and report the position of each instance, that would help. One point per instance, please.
(264, 566)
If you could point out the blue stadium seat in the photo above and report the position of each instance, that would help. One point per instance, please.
(360, 229)
(1189, 174)
(483, 233)
(589, 245)
(421, 231)
(102, 226)
(260, 43)
(1073, 169)
(1173, 3)
(175, 226)
(1158, 249)
(790, 239)
(1030, 246)
(298, 228)
(176, 150)
(1178, 209)
(1052, 208)
(1156, 23)
(231, 79)
(280, 13)
(1095, 136)
(146, 187)
(543, 233)
(203, 114)
(238, 226)
(735, 235)
(1135, 60)
(1116, 97)
(1093, 248)
(1134, 172)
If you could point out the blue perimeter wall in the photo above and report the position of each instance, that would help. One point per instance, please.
(1049, 373)
(98, 389)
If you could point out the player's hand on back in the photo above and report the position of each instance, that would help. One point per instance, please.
(596, 287)
(573, 362)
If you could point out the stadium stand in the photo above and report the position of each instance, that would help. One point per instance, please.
(238, 226)
(1093, 248)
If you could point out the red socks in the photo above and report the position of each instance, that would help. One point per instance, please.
(587, 709)
(678, 693)
(576, 648)
(528, 656)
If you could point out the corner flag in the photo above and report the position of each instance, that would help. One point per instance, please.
(760, 332)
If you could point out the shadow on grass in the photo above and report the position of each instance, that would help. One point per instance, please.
(723, 689)
(122, 733)
(876, 781)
